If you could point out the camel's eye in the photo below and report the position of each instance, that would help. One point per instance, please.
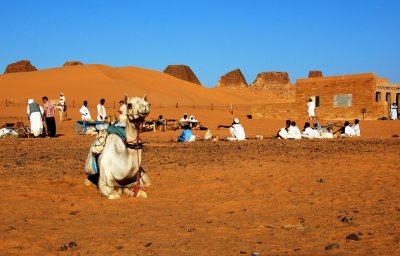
(130, 105)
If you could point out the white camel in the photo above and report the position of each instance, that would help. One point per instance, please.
(120, 161)
(61, 111)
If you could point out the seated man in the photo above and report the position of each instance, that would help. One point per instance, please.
(193, 122)
(184, 120)
(347, 131)
(85, 112)
(186, 135)
(161, 122)
(236, 129)
(294, 131)
(356, 127)
(283, 132)
(323, 132)
(308, 131)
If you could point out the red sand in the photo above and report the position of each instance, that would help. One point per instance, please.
(206, 198)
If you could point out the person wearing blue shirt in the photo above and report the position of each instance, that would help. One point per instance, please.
(186, 134)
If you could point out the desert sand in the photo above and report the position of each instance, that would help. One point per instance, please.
(272, 197)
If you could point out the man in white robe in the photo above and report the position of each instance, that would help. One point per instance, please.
(35, 114)
(294, 131)
(236, 130)
(311, 109)
(393, 111)
(101, 111)
(85, 112)
(356, 127)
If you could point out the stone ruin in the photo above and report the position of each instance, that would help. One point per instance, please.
(72, 63)
(275, 84)
(233, 79)
(182, 72)
(20, 66)
(314, 73)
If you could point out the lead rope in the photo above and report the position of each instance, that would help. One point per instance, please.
(137, 186)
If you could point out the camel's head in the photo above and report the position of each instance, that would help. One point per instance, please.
(137, 108)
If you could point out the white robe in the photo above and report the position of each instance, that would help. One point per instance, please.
(311, 109)
(85, 114)
(237, 132)
(294, 133)
(348, 132)
(36, 121)
(393, 112)
(101, 113)
(356, 129)
(311, 133)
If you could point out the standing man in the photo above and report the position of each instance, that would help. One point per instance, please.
(393, 111)
(49, 110)
(35, 114)
(101, 111)
(311, 110)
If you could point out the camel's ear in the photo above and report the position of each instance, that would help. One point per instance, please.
(145, 97)
(126, 98)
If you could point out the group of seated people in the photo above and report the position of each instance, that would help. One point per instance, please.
(291, 131)
(191, 121)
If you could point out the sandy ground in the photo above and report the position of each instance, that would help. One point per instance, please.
(273, 197)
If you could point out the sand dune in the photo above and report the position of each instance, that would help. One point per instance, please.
(92, 82)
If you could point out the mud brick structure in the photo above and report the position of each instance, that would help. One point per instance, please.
(336, 98)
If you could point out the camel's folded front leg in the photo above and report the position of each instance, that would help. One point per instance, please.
(107, 191)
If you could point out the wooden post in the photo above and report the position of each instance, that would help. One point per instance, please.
(193, 106)
(231, 109)
(73, 103)
(6, 102)
(177, 105)
(114, 104)
(212, 107)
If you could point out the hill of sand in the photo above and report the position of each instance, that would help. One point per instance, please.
(92, 82)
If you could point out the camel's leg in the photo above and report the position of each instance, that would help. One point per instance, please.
(128, 192)
(107, 191)
(141, 193)
(92, 180)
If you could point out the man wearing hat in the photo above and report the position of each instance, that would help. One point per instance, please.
(236, 129)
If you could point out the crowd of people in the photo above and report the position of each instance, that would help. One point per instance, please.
(291, 131)
(37, 114)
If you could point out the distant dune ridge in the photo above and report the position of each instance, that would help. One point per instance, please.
(182, 72)
(20, 66)
(233, 79)
(93, 81)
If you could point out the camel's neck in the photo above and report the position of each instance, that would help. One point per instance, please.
(131, 132)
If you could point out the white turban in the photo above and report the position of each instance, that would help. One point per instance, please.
(30, 101)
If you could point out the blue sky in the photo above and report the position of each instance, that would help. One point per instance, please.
(212, 37)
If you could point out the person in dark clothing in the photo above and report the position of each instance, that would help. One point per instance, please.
(49, 111)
